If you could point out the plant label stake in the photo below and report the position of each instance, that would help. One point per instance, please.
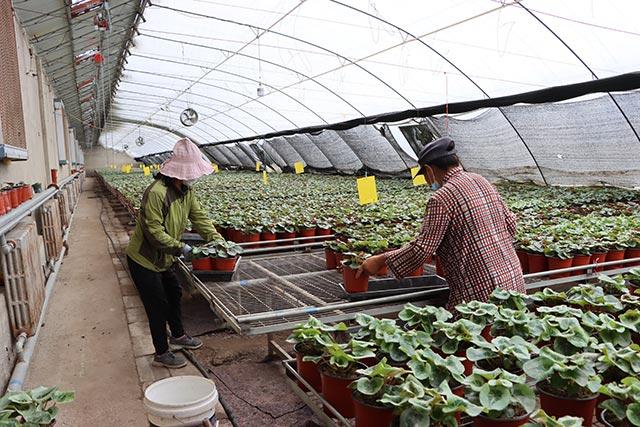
(215, 167)
(265, 177)
(418, 179)
(299, 167)
(146, 171)
(367, 191)
(258, 164)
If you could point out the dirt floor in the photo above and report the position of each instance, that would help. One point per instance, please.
(252, 387)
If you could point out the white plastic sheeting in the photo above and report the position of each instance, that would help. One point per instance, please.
(324, 61)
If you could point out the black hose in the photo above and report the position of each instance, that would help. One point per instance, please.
(205, 373)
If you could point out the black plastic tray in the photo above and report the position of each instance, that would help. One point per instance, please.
(215, 275)
(391, 286)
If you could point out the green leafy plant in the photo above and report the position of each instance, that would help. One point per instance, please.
(549, 297)
(625, 403)
(613, 364)
(613, 285)
(217, 249)
(433, 369)
(422, 406)
(456, 336)
(633, 276)
(593, 298)
(32, 408)
(566, 334)
(423, 317)
(312, 335)
(607, 328)
(376, 380)
(508, 353)
(540, 419)
(480, 313)
(509, 299)
(509, 323)
(354, 260)
(569, 376)
(500, 394)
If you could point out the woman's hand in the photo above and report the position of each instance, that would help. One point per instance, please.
(371, 265)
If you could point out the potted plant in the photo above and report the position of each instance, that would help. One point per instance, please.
(508, 353)
(333, 253)
(633, 279)
(372, 384)
(607, 329)
(613, 285)
(225, 255)
(540, 419)
(433, 370)
(350, 264)
(201, 258)
(536, 260)
(623, 409)
(565, 334)
(338, 365)
(37, 407)
(308, 339)
(456, 337)
(508, 323)
(423, 317)
(548, 297)
(423, 406)
(506, 400)
(614, 364)
(284, 230)
(593, 298)
(567, 385)
(480, 313)
(558, 257)
(509, 299)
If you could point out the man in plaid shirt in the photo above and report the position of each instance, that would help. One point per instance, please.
(467, 224)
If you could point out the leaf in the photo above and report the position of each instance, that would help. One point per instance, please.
(64, 396)
(614, 406)
(21, 398)
(369, 386)
(41, 393)
(494, 398)
(413, 418)
(525, 396)
(633, 414)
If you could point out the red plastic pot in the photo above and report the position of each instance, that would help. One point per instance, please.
(202, 264)
(559, 406)
(468, 364)
(615, 255)
(418, 272)
(371, 416)
(15, 197)
(309, 371)
(330, 259)
(285, 235)
(266, 236)
(3, 208)
(323, 232)
(353, 285)
(536, 262)
(632, 253)
(224, 264)
(235, 235)
(224, 232)
(598, 258)
(251, 237)
(482, 421)
(339, 258)
(579, 260)
(524, 263)
(7, 200)
(486, 333)
(307, 232)
(557, 264)
(337, 393)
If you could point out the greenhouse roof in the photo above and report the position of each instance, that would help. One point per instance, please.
(255, 69)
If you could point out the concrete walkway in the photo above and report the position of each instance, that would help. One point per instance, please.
(85, 344)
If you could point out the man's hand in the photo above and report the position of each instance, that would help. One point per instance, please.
(371, 265)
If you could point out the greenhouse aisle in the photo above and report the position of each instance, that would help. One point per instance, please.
(85, 344)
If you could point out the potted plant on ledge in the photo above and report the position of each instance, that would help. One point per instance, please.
(623, 409)
(568, 385)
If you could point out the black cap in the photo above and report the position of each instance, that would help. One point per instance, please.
(434, 150)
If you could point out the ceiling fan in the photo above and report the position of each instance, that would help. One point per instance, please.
(189, 117)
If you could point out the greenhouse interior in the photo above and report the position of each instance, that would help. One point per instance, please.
(320, 213)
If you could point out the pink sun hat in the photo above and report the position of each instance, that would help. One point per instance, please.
(186, 162)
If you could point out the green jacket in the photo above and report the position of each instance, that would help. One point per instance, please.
(162, 219)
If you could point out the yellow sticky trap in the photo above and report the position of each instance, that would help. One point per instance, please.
(258, 164)
(367, 191)
(299, 167)
(215, 167)
(146, 170)
(265, 177)
(418, 179)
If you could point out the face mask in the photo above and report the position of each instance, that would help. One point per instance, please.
(435, 186)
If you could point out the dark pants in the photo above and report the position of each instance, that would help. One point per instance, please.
(160, 294)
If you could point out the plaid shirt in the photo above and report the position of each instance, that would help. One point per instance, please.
(470, 228)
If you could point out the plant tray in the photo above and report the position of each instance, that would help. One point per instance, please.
(387, 287)
(215, 275)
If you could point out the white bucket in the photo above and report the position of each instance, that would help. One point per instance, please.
(180, 401)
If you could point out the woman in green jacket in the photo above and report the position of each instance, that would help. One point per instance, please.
(167, 204)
